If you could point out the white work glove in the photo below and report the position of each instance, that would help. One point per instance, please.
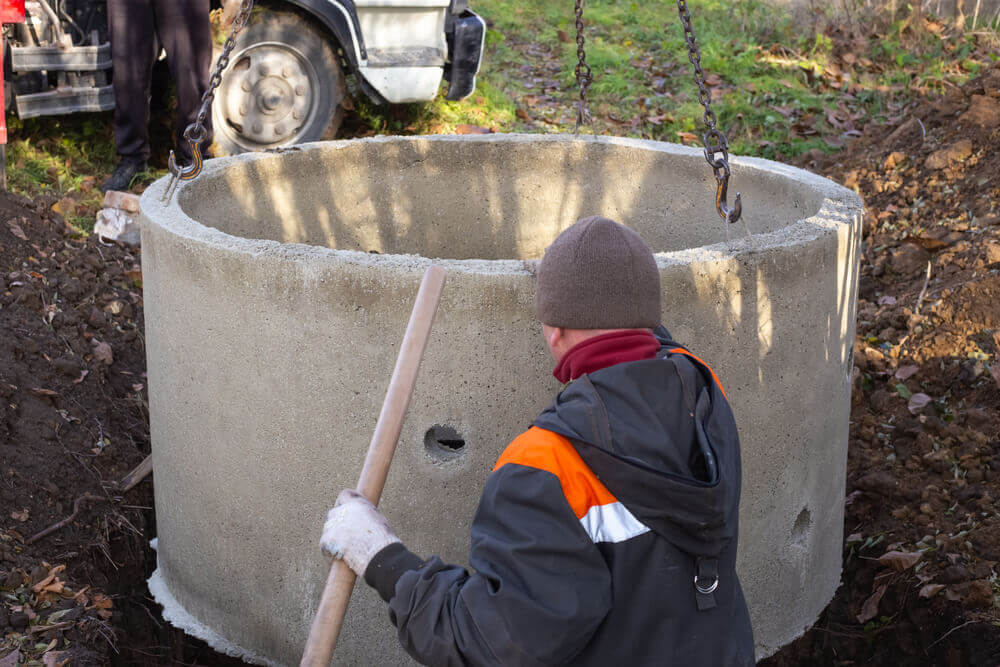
(355, 531)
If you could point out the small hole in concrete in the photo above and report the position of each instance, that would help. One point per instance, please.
(801, 529)
(443, 442)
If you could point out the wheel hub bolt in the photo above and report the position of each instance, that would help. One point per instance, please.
(297, 114)
(279, 130)
(300, 90)
(258, 128)
(245, 86)
(243, 110)
(286, 72)
(264, 70)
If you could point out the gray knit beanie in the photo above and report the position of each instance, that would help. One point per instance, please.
(598, 274)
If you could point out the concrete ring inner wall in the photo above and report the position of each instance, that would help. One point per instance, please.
(278, 287)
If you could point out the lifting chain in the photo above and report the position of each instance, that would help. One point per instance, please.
(197, 132)
(582, 71)
(715, 141)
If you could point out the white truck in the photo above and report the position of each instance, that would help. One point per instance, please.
(288, 75)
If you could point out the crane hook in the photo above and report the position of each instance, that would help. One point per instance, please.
(191, 171)
(733, 214)
(195, 134)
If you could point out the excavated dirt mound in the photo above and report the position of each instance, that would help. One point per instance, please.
(73, 422)
(920, 581)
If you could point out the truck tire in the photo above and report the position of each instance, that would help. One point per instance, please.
(283, 86)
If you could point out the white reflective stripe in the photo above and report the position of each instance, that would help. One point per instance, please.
(612, 523)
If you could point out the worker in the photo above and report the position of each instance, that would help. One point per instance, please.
(607, 532)
(138, 28)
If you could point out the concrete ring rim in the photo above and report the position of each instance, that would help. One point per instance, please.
(838, 205)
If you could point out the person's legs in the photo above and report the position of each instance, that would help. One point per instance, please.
(130, 23)
(184, 30)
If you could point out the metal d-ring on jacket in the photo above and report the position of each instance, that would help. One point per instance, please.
(606, 534)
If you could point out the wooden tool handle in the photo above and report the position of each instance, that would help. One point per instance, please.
(340, 582)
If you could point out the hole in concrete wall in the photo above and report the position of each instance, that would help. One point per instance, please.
(801, 529)
(444, 442)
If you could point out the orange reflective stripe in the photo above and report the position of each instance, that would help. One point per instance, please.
(679, 350)
(544, 450)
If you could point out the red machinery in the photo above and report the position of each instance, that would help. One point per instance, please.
(11, 11)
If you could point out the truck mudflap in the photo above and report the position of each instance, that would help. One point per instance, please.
(465, 54)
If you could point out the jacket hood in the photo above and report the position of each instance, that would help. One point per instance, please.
(660, 435)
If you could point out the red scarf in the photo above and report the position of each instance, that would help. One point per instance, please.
(606, 350)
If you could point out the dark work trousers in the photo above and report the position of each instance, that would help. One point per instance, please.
(138, 28)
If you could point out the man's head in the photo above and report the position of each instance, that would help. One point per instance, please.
(597, 276)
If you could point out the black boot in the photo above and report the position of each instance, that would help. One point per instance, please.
(125, 172)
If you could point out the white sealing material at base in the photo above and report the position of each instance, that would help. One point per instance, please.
(182, 619)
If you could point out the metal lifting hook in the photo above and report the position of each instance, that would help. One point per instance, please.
(197, 132)
(733, 214)
(191, 171)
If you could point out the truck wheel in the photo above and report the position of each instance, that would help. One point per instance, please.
(283, 86)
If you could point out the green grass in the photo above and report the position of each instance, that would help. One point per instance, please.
(64, 159)
(779, 81)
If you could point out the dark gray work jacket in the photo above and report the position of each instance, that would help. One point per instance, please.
(606, 535)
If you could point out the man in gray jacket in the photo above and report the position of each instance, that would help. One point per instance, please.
(606, 532)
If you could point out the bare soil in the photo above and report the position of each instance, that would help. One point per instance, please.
(73, 422)
(921, 557)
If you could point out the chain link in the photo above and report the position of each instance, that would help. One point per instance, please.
(583, 74)
(715, 141)
(197, 131)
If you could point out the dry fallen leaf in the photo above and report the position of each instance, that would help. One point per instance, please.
(102, 352)
(12, 659)
(16, 230)
(102, 603)
(38, 391)
(900, 560)
(467, 128)
(21, 516)
(65, 206)
(918, 402)
(81, 596)
(56, 587)
(83, 374)
(906, 372)
(49, 579)
(687, 137)
(869, 609)
(930, 590)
